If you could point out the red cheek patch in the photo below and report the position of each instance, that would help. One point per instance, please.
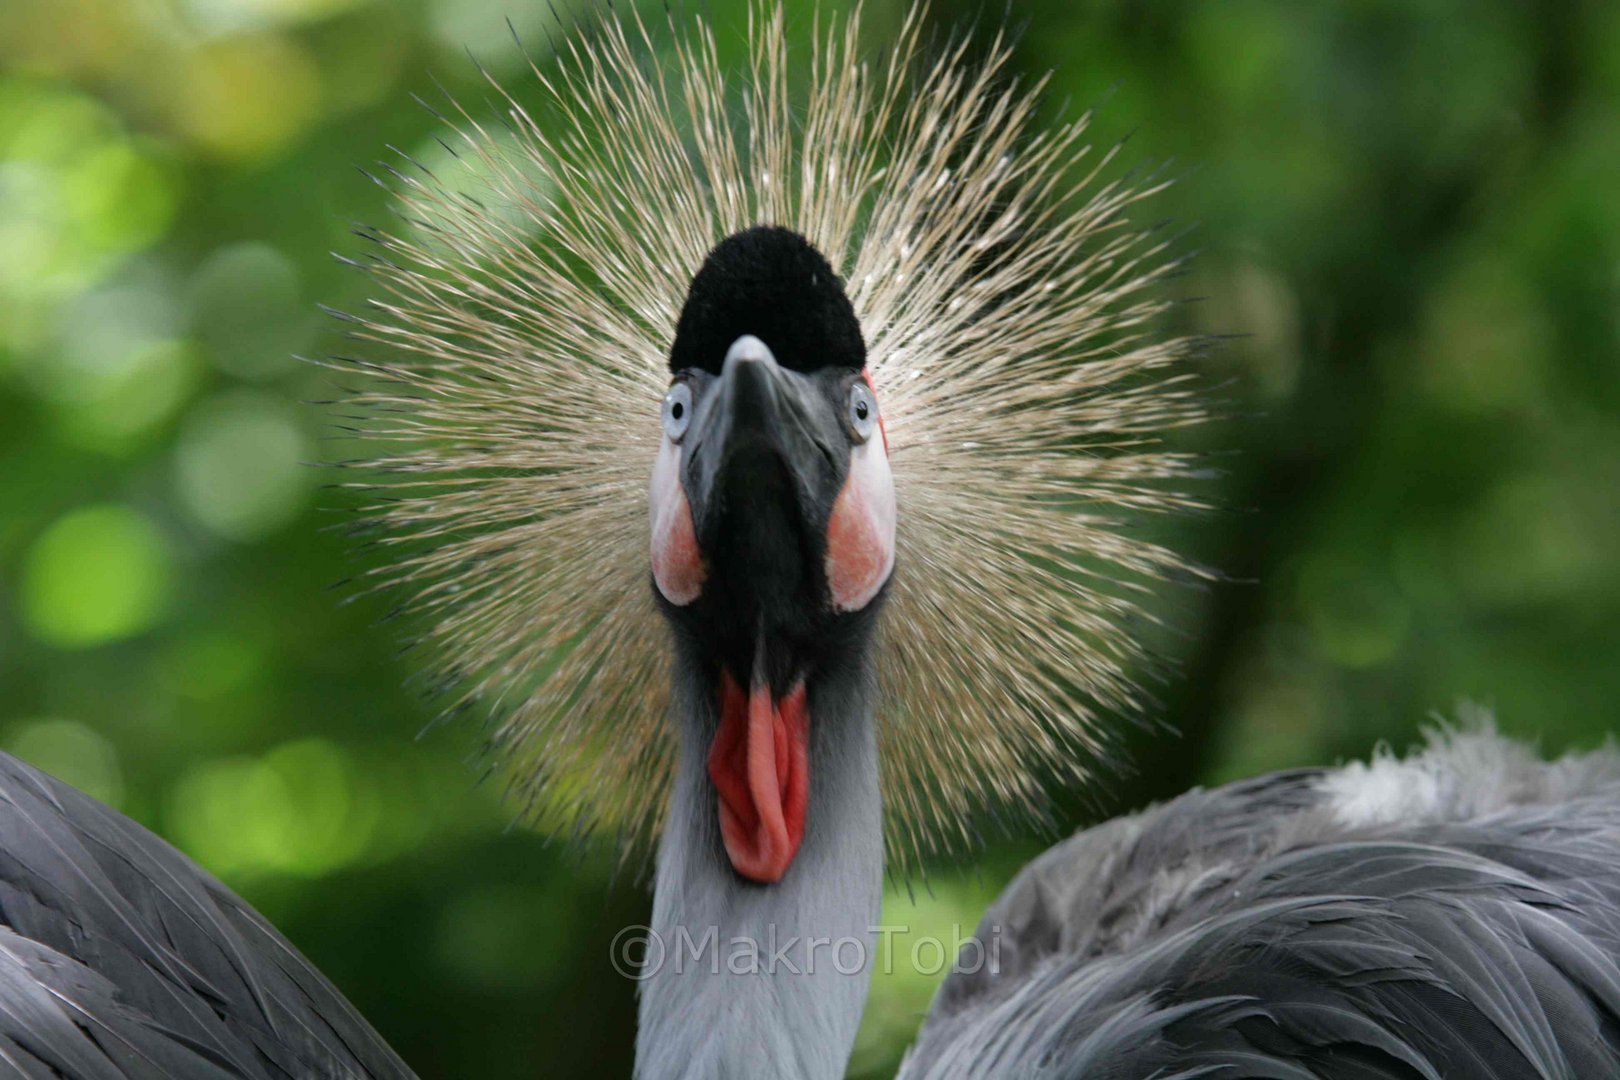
(677, 564)
(860, 532)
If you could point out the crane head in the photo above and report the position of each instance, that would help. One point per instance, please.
(773, 513)
(865, 225)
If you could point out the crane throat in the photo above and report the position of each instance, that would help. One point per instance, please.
(759, 764)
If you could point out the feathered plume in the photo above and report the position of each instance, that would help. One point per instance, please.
(519, 339)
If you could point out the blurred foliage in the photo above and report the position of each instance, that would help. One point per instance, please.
(1408, 211)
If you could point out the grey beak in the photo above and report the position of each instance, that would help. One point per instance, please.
(759, 429)
(751, 388)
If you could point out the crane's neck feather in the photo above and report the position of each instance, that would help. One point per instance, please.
(775, 987)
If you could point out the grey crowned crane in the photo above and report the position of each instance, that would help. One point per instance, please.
(905, 344)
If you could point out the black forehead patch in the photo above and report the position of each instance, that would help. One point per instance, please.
(769, 282)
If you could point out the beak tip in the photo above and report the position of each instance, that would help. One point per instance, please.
(746, 350)
(751, 380)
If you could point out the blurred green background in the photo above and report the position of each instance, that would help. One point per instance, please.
(1411, 210)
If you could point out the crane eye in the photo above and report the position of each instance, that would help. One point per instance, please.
(863, 411)
(677, 411)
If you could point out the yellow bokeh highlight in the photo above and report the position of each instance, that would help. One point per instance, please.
(247, 98)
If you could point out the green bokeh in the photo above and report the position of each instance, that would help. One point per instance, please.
(98, 575)
(1407, 216)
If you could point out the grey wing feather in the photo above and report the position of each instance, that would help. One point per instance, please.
(119, 957)
(1453, 915)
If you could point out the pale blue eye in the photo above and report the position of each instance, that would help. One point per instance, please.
(677, 411)
(863, 411)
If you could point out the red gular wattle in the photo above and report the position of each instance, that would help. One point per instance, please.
(759, 764)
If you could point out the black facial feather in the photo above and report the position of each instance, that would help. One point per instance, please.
(772, 283)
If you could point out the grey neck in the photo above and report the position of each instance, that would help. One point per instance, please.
(766, 980)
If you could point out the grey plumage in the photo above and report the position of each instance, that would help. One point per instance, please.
(796, 1017)
(1453, 915)
(119, 957)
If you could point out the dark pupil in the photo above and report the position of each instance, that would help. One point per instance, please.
(860, 409)
(676, 410)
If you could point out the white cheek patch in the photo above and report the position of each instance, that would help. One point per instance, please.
(677, 565)
(860, 532)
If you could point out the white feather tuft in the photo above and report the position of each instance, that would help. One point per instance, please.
(1463, 772)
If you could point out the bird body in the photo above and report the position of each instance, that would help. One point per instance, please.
(121, 958)
(1456, 914)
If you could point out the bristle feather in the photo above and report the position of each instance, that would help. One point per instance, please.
(1011, 312)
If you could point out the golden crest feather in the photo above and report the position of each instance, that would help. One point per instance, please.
(520, 333)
